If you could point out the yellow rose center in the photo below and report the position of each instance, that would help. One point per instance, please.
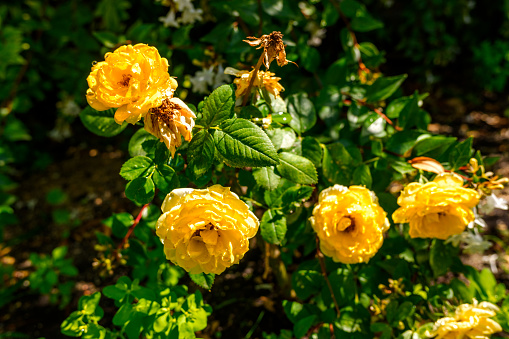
(125, 80)
(346, 224)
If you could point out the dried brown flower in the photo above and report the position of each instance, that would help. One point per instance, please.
(170, 121)
(273, 48)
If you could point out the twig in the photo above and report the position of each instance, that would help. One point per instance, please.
(376, 110)
(251, 80)
(319, 254)
(386, 118)
(131, 229)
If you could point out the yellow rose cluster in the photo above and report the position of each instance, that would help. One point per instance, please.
(349, 223)
(437, 209)
(135, 81)
(470, 321)
(205, 230)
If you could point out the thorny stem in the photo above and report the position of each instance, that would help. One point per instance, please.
(251, 80)
(376, 110)
(131, 229)
(389, 121)
(321, 259)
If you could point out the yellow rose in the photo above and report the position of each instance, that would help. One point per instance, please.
(469, 322)
(263, 80)
(349, 223)
(169, 122)
(438, 209)
(205, 230)
(133, 79)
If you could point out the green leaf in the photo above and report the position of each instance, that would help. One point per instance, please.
(166, 179)
(161, 154)
(338, 164)
(461, 154)
(408, 115)
(281, 137)
(362, 176)
(297, 169)
(296, 194)
(403, 142)
(136, 143)
(73, 324)
(218, 107)
(140, 190)
(312, 150)
(201, 152)
(89, 303)
(273, 227)
(309, 57)
(365, 23)
(302, 326)
(101, 122)
(266, 178)
(204, 280)
(241, 143)
(307, 282)
(441, 257)
(137, 167)
(114, 292)
(302, 111)
(434, 146)
(383, 88)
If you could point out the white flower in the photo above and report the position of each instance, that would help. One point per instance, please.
(472, 242)
(71, 108)
(169, 19)
(202, 79)
(221, 78)
(477, 221)
(191, 15)
(491, 202)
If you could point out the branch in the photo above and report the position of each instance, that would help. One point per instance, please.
(321, 259)
(131, 229)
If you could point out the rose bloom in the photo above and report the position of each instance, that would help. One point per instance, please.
(263, 79)
(349, 223)
(133, 79)
(438, 209)
(169, 122)
(469, 322)
(205, 230)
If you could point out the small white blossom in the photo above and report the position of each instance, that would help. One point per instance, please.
(191, 15)
(477, 220)
(491, 202)
(472, 242)
(169, 19)
(221, 78)
(70, 108)
(202, 79)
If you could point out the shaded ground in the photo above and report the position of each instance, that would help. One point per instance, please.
(94, 191)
